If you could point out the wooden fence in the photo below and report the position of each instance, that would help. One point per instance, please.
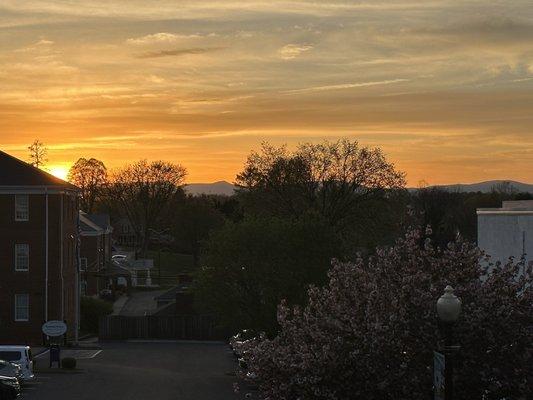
(180, 327)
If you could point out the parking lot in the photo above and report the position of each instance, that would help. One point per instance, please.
(142, 370)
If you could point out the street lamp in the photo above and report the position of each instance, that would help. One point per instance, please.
(448, 310)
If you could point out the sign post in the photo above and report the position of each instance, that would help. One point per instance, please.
(54, 330)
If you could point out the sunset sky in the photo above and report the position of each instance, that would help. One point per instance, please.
(445, 87)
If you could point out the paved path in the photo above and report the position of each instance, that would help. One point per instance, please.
(119, 304)
(141, 303)
(144, 371)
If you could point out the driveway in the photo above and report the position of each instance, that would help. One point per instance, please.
(141, 303)
(145, 371)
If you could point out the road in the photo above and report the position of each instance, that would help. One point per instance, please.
(131, 371)
(141, 303)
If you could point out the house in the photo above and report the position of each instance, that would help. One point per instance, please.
(95, 252)
(507, 231)
(38, 252)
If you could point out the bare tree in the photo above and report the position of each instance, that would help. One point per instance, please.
(38, 153)
(90, 175)
(144, 191)
(332, 179)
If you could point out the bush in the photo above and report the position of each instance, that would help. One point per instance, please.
(68, 363)
(91, 311)
(370, 333)
(254, 264)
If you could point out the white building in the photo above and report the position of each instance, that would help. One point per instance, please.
(506, 231)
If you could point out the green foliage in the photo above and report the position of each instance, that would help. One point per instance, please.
(168, 265)
(250, 266)
(194, 219)
(451, 212)
(91, 310)
(68, 363)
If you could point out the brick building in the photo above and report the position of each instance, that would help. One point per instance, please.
(38, 252)
(95, 252)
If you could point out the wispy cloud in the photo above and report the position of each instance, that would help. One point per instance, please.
(291, 51)
(177, 52)
(161, 37)
(343, 86)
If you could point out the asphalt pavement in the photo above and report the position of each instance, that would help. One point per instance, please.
(144, 370)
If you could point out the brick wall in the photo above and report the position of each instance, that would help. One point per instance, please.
(62, 238)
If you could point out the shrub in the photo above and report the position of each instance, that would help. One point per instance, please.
(68, 363)
(91, 311)
(370, 333)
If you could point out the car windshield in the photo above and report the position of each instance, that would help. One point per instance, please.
(10, 355)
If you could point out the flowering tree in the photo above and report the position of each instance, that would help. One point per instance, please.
(370, 333)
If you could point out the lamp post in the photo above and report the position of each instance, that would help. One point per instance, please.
(448, 310)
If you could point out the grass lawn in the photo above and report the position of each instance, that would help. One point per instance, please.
(171, 265)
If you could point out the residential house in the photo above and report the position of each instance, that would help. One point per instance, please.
(507, 231)
(38, 252)
(95, 252)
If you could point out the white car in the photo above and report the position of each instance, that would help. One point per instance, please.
(119, 257)
(20, 355)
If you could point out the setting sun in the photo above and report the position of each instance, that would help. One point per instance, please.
(60, 171)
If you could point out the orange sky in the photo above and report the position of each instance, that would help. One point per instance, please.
(444, 87)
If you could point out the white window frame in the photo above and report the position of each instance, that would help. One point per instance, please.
(83, 263)
(17, 307)
(19, 247)
(22, 207)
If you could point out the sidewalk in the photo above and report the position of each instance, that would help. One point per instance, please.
(90, 343)
(119, 304)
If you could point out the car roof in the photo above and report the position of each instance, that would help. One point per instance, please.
(3, 347)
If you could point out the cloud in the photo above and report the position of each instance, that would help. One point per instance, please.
(42, 45)
(343, 86)
(291, 51)
(177, 52)
(161, 37)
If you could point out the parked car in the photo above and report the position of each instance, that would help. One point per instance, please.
(10, 369)
(9, 388)
(119, 257)
(20, 355)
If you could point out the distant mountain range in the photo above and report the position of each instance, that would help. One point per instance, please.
(221, 188)
(488, 186)
(227, 189)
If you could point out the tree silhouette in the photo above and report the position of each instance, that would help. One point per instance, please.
(38, 153)
(90, 175)
(144, 191)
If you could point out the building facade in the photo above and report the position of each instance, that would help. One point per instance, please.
(38, 252)
(507, 231)
(95, 252)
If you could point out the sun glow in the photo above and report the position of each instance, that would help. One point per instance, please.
(59, 171)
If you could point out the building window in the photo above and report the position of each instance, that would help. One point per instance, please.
(22, 307)
(22, 207)
(83, 264)
(22, 257)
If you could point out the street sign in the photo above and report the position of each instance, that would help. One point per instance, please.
(54, 328)
(439, 364)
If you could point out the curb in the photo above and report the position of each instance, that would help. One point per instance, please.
(173, 341)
